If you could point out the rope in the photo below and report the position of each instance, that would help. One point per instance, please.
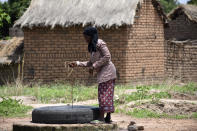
(69, 69)
(69, 73)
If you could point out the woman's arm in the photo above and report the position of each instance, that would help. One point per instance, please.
(84, 64)
(106, 56)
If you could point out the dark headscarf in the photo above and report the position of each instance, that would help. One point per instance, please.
(92, 32)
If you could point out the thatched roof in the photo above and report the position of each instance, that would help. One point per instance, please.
(189, 10)
(65, 13)
(11, 50)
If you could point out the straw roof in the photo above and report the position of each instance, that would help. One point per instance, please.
(65, 13)
(189, 10)
(11, 50)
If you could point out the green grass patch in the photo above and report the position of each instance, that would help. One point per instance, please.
(13, 108)
(126, 98)
(144, 113)
(188, 88)
(56, 92)
(139, 113)
(194, 115)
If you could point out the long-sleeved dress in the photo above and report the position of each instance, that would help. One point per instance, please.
(106, 75)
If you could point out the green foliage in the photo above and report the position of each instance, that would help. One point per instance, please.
(17, 8)
(4, 20)
(12, 108)
(193, 2)
(3, 17)
(142, 91)
(13, 10)
(7, 38)
(168, 5)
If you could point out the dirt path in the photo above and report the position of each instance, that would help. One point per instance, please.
(123, 121)
(6, 124)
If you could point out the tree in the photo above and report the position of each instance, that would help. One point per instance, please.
(169, 5)
(17, 8)
(193, 2)
(4, 17)
(5, 20)
(14, 9)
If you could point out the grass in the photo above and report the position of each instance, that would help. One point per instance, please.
(194, 115)
(48, 93)
(126, 98)
(13, 108)
(144, 113)
(143, 93)
(188, 88)
(56, 93)
(5, 38)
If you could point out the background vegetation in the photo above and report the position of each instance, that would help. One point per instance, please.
(10, 11)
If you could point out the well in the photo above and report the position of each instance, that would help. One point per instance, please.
(64, 118)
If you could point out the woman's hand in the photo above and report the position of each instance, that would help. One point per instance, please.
(72, 64)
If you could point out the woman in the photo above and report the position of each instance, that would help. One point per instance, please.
(100, 60)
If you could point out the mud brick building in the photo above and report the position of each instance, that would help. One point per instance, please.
(181, 44)
(183, 23)
(181, 60)
(132, 29)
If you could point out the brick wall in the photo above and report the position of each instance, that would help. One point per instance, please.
(137, 51)
(146, 45)
(46, 50)
(181, 29)
(181, 60)
(181, 57)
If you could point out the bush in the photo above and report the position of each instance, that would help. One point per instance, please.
(13, 108)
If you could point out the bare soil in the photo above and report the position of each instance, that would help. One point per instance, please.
(151, 124)
(183, 96)
(170, 108)
(123, 121)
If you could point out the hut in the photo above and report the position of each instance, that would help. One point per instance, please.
(181, 43)
(132, 29)
(11, 54)
(183, 23)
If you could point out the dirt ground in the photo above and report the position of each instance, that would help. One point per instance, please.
(150, 124)
(123, 121)
(170, 108)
